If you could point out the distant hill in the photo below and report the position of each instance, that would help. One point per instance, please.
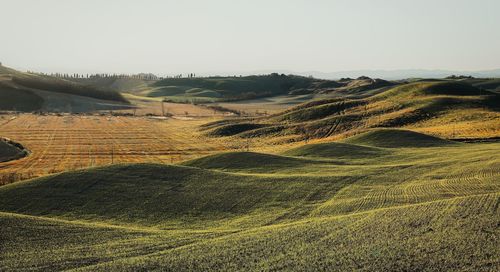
(250, 87)
(396, 74)
(399, 106)
(29, 92)
(233, 88)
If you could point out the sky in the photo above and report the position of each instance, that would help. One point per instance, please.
(235, 36)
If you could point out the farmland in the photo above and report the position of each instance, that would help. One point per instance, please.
(363, 180)
(383, 200)
(63, 143)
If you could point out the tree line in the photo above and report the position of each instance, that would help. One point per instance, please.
(143, 76)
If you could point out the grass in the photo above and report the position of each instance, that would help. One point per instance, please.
(335, 206)
(335, 150)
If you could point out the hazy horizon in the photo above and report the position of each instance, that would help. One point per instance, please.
(211, 37)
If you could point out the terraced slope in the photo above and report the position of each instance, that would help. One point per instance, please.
(432, 208)
(451, 109)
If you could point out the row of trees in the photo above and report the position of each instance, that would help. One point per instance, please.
(143, 76)
(190, 75)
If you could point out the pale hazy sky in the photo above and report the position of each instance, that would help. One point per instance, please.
(168, 37)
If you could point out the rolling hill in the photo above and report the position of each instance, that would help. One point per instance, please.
(212, 89)
(391, 138)
(29, 92)
(424, 105)
(334, 206)
(231, 88)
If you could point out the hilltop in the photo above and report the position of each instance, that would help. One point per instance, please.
(350, 205)
(35, 92)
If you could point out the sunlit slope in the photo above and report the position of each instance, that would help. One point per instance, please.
(466, 111)
(41, 244)
(447, 235)
(334, 206)
(450, 235)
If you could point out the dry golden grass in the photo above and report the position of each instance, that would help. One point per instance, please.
(445, 109)
(62, 143)
(473, 123)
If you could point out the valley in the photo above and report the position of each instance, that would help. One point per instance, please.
(356, 174)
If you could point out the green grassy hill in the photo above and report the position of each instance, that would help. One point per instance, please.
(152, 195)
(31, 92)
(334, 206)
(391, 138)
(417, 104)
(10, 150)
